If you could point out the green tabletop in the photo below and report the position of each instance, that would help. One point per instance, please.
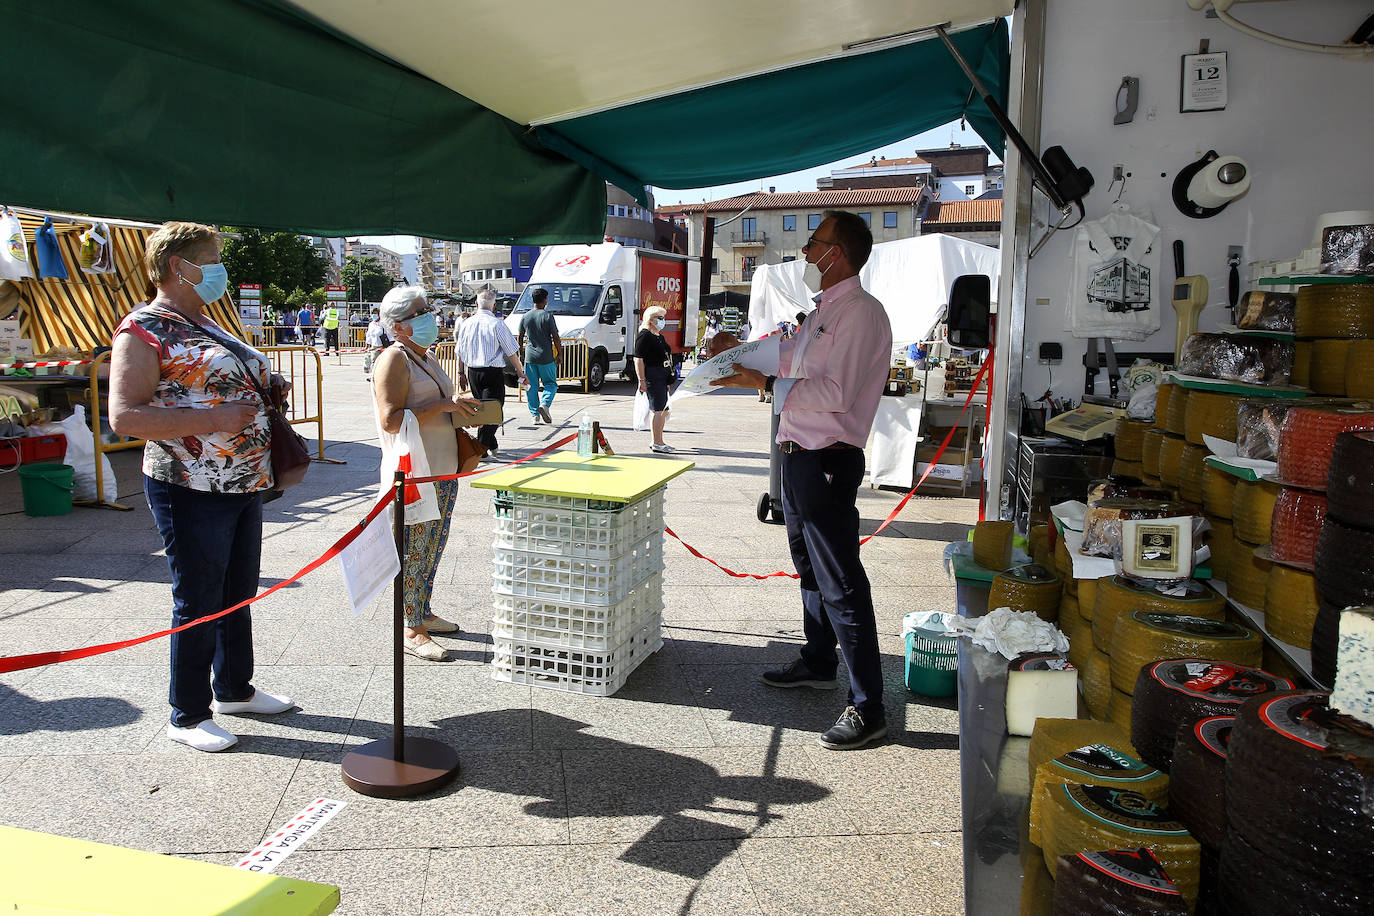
(610, 477)
(47, 874)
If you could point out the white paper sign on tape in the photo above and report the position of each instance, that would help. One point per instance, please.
(761, 354)
(369, 563)
(271, 851)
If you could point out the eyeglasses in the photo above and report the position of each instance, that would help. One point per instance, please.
(815, 241)
(423, 310)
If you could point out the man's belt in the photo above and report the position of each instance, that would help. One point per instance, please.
(787, 447)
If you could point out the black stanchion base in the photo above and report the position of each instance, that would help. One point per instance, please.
(371, 769)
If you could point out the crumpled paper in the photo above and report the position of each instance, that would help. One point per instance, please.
(1011, 633)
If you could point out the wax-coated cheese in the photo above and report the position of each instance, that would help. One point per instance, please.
(1354, 690)
(1094, 765)
(1144, 637)
(1040, 687)
(1115, 882)
(992, 544)
(1053, 737)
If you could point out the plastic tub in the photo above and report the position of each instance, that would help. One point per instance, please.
(47, 488)
(932, 665)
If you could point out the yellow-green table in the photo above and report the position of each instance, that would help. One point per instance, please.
(47, 875)
(577, 569)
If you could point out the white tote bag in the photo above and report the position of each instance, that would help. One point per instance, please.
(406, 450)
(641, 411)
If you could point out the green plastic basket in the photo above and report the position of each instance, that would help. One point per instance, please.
(932, 665)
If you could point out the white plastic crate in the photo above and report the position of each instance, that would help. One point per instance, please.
(576, 580)
(575, 670)
(570, 532)
(519, 619)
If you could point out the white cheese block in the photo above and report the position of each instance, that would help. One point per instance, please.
(1354, 690)
(1040, 694)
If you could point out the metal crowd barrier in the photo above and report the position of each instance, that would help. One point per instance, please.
(298, 365)
(446, 351)
(572, 361)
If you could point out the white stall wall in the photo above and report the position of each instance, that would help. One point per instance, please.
(1301, 120)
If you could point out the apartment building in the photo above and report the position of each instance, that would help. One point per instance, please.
(389, 260)
(952, 173)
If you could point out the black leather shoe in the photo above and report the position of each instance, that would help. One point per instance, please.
(852, 732)
(796, 674)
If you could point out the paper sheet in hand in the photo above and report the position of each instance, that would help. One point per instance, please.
(761, 354)
(369, 563)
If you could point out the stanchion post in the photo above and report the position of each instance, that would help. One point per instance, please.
(398, 607)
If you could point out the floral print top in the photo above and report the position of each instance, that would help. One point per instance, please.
(199, 370)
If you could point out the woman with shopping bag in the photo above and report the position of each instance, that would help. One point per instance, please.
(416, 402)
(654, 363)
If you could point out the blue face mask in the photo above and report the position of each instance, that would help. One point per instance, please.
(424, 330)
(214, 280)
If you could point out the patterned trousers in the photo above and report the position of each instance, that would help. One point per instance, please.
(424, 545)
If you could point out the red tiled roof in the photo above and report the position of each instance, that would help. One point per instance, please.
(800, 200)
(950, 212)
(883, 163)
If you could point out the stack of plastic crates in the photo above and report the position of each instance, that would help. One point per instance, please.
(578, 587)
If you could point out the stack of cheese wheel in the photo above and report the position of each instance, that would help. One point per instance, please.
(1087, 597)
(992, 543)
(1038, 539)
(1307, 438)
(1343, 562)
(1130, 447)
(1359, 369)
(1333, 324)
(1299, 838)
(1149, 451)
(1079, 818)
(1171, 458)
(1218, 492)
(1211, 414)
(1290, 605)
(1197, 779)
(1162, 396)
(1117, 595)
(1142, 638)
(1026, 588)
(1094, 765)
(1178, 692)
(1252, 513)
(1302, 364)
(1191, 467)
(1116, 881)
(1344, 311)
(1076, 630)
(1221, 540)
(1176, 415)
(1326, 374)
(1096, 681)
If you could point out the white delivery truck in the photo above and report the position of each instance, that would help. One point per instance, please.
(597, 293)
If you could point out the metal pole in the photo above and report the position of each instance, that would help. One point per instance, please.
(398, 682)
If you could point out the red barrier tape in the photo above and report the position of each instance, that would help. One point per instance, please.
(508, 464)
(891, 517)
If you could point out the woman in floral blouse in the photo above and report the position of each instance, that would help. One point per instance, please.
(181, 382)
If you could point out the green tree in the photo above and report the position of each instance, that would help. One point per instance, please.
(375, 281)
(284, 259)
(274, 296)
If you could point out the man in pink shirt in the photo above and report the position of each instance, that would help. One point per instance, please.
(831, 375)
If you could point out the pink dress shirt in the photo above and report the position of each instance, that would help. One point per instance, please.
(845, 350)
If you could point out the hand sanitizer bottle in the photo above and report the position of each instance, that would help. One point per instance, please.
(584, 436)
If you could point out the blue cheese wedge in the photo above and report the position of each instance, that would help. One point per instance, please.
(1354, 690)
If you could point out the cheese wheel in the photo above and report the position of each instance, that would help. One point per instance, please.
(1327, 375)
(1252, 509)
(1325, 643)
(1144, 637)
(1079, 633)
(1026, 588)
(1149, 452)
(1176, 421)
(1063, 564)
(1171, 460)
(1087, 597)
(1130, 438)
(1054, 737)
(1177, 692)
(1345, 575)
(1068, 604)
(1038, 541)
(1302, 364)
(1162, 395)
(1307, 438)
(1119, 709)
(1197, 779)
(1211, 414)
(1296, 525)
(1190, 472)
(1116, 881)
(1221, 539)
(1248, 579)
(1344, 310)
(1128, 469)
(1290, 605)
(992, 544)
(1297, 790)
(1093, 765)
(1091, 818)
(1350, 479)
(1359, 369)
(1096, 680)
(1218, 491)
(1117, 595)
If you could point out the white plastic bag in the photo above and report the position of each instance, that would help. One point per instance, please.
(641, 411)
(81, 458)
(407, 450)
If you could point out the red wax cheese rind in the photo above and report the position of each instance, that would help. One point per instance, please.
(1197, 779)
(1118, 882)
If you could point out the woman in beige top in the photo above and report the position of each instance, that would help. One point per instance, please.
(405, 378)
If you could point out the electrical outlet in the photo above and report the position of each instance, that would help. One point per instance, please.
(1118, 172)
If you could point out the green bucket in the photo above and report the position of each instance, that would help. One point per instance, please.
(47, 488)
(932, 665)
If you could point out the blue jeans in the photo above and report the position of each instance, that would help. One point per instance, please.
(541, 375)
(214, 546)
(819, 489)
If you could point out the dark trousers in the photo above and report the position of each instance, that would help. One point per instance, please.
(214, 546)
(487, 384)
(819, 489)
(331, 339)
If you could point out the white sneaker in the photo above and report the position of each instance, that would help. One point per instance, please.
(260, 703)
(206, 736)
(662, 449)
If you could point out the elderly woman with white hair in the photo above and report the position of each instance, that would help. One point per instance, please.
(407, 377)
(654, 362)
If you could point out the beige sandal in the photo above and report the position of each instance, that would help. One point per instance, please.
(429, 650)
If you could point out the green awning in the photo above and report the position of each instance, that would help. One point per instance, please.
(791, 119)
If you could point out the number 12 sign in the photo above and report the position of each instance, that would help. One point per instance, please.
(1204, 82)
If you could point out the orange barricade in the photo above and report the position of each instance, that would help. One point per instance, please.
(572, 363)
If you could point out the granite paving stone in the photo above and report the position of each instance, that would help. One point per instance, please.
(70, 710)
(370, 883)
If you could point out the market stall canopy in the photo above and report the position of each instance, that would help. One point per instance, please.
(480, 121)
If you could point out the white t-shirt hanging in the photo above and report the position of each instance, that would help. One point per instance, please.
(14, 251)
(1114, 285)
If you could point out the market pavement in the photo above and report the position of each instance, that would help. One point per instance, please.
(694, 789)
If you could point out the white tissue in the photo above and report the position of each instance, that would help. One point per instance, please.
(1013, 633)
